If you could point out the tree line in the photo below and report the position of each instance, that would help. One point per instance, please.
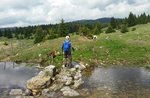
(44, 32)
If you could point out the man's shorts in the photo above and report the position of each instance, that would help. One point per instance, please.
(67, 54)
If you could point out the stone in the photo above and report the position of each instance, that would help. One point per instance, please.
(72, 71)
(18, 97)
(69, 81)
(27, 92)
(51, 69)
(24, 97)
(27, 97)
(38, 82)
(77, 83)
(78, 65)
(77, 75)
(84, 92)
(67, 91)
(47, 93)
(56, 86)
(15, 92)
(42, 80)
(82, 66)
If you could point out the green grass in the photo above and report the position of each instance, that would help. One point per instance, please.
(131, 48)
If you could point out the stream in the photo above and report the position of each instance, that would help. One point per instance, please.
(14, 76)
(117, 82)
(99, 82)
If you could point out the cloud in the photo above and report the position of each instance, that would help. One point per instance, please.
(31, 12)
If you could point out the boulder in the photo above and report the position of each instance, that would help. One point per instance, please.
(80, 65)
(27, 92)
(14, 92)
(56, 86)
(67, 91)
(51, 69)
(69, 81)
(42, 80)
(77, 75)
(47, 93)
(77, 83)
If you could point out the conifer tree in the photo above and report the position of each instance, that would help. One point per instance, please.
(62, 30)
(131, 19)
(113, 23)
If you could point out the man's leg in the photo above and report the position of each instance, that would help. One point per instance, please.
(70, 60)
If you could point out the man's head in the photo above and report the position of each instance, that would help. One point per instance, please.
(67, 37)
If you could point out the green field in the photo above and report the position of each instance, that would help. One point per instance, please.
(123, 49)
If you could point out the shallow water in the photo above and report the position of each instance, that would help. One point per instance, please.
(14, 75)
(117, 82)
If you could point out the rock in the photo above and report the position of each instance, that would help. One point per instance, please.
(67, 91)
(42, 80)
(72, 71)
(27, 92)
(24, 97)
(84, 92)
(69, 81)
(56, 86)
(77, 83)
(82, 65)
(51, 69)
(15, 92)
(77, 75)
(18, 97)
(47, 93)
(78, 65)
(38, 82)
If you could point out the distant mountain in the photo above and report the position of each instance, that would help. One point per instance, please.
(101, 20)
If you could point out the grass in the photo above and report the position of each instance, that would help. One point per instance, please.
(131, 48)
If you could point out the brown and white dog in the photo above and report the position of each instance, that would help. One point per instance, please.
(52, 54)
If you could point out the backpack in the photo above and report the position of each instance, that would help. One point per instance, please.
(66, 45)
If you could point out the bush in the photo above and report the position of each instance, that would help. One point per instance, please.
(110, 30)
(5, 43)
(89, 36)
(133, 29)
(124, 29)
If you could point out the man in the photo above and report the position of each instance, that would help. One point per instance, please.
(66, 48)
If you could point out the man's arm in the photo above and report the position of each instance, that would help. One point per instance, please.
(62, 47)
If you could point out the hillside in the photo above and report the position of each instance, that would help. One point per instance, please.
(101, 20)
(131, 48)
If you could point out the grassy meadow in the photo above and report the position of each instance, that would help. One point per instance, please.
(122, 49)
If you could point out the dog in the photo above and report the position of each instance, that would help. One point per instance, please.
(52, 54)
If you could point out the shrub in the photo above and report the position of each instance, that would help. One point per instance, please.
(133, 29)
(5, 43)
(110, 30)
(124, 29)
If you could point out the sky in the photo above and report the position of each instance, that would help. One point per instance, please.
(36, 12)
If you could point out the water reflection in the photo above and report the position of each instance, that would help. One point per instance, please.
(14, 75)
(121, 81)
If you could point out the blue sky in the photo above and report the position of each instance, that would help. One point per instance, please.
(34, 12)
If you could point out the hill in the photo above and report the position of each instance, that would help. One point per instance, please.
(131, 48)
(101, 20)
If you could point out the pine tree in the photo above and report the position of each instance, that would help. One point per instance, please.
(62, 30)
(113, 23)
(1, 33)
(83, 30)
(39, 35)
(131, 19)
(97, 29)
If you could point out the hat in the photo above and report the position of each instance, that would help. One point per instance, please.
(67, 37)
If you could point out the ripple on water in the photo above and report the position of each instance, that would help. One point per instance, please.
(14, 75)
(118, 82)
